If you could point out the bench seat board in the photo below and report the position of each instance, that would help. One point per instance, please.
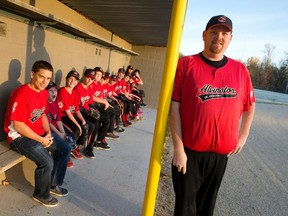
(8, 157)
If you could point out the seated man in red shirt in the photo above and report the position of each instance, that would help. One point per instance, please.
(29, 134)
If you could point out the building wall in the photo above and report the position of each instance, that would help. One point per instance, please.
(151, 65)
(23, 43)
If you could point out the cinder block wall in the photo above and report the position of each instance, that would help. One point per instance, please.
(23, 43)
(151, 64)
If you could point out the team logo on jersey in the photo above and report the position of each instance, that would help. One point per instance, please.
(60, 104)
(97, 93)
(207, 92)
(72, 109)
(84, 99)
(36, 114)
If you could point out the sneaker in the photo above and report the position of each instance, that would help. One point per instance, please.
(49, 202)
(125, 124)
(102, 145)
(119, 129)
(89, 154)
(59, 191)
(70, 163)
(111, 136)
(76, 154)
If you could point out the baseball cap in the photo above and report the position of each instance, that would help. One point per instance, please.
(121, 70)
(50, 85)
(219, 20)
(96, 69)
(130, 67)
(74, 74)
(113, 77)
(90, 73)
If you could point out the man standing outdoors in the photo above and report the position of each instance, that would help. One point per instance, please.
(29, 134)
(211, 93)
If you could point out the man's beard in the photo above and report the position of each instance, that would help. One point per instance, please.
(216, 48)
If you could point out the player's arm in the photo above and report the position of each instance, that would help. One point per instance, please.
(45, 124)
(102, 101)
(26, 131)
(247, 118)
(179, 157)
(71, 117)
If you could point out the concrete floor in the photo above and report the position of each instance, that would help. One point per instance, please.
(111, 184)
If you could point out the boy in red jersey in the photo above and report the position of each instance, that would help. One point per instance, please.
(114, 102)
(68, 102)
(211, 93)
(54, 117)
(29, 134)
(120, 87)
(85, 94)
(107, 113)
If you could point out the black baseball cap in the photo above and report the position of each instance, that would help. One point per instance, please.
(220, 20)
(90, 73)
(130, 67)
(121, 70)
(96, 69)
(51, 85)
(74, 74)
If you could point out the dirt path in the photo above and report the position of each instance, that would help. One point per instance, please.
(256, 180)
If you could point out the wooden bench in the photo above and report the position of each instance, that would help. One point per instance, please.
(8, 157)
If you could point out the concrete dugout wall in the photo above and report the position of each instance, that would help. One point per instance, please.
(23, 42)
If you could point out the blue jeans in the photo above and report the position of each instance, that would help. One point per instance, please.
(51, 169)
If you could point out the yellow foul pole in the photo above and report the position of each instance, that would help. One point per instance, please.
(171, 59)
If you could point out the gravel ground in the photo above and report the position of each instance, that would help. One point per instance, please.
(256, 180)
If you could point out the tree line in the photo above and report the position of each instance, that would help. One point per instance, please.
(267, 75)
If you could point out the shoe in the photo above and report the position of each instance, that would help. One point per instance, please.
(49, 202)
(102, 145)
(59, 191)
(119, 129)
(128, 122)
(89, 154)
(143, 104)
(125, 124)
(139, 112)
(111, 136)
(76, 154)
(70, 163)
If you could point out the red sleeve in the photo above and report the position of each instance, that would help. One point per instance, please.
(179, 78)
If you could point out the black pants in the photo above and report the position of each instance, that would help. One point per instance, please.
(106, 121)
(80, 140)
(196, 191)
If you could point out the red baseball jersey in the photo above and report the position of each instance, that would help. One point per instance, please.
(212, 101)
(85, 95)
(53, 113)
(97, 89)
(110, 90)
(27, 106)
(119, 86)
(67, 101)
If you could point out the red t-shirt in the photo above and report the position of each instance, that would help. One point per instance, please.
(119, 86)
(97, 89)
(110, 90)
(27, 106)
(85, 95)
(212, 101)
(67, 101)
(53, 113)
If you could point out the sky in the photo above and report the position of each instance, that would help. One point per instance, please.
(255, 23)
